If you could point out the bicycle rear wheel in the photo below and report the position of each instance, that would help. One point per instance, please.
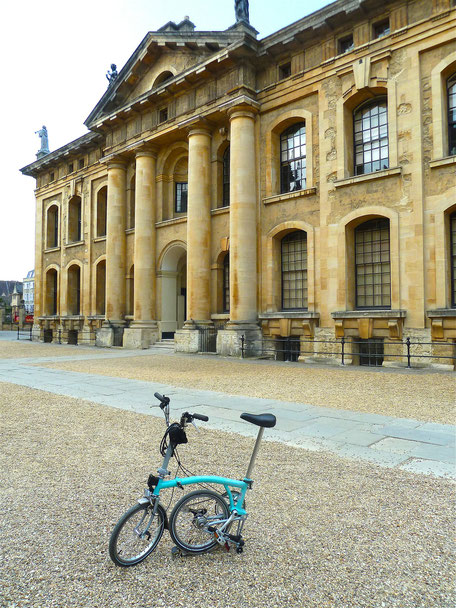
(136, 534)
(192, 515)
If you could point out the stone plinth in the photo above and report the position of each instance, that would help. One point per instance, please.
(140, 335)
(229, 340)
(110, 334)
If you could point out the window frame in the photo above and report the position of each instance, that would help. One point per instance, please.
(226, 284)
(450, 83)
(452, 240)
(295, 235)
(178, 196)
(293, 131)
(376, 29)
(341, 41)
(226, 162)
(380, 224)
(368, 105)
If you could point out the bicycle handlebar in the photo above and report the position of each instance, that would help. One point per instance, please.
(164, 401)
(200, 417)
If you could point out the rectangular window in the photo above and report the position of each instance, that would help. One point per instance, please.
(345, 45)
(284, 70)
(81, 163)
(70, 168)
(372, 265)
(51, 177)
(181, 197)
(163, 115)
(382, 28)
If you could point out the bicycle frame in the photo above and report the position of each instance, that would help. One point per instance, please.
(227, 483)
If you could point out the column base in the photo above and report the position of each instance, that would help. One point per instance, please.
(229, 340)
(140, 335)
(110, 334)
(188, 339)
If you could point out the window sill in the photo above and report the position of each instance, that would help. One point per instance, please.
(174, 220)
(288, 314)
(366, 177)
(439, 313)
(221, 317)
(73, 244)
(99, 239)
(130, 231)
(442, 162)
(220, 210)
(385, 313)
(279, 198)
(51, 249)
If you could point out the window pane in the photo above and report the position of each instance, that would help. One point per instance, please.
(294, 271)
(292, 158)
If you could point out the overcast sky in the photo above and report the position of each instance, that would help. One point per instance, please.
(55, 55)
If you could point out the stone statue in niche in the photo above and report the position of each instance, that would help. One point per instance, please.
(241, 8)
(112, 74)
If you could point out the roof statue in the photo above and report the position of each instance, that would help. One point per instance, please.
(241, 8)
(112, 74)
(43, 135)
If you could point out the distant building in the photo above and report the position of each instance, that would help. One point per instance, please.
(28, 292)
(298, 186)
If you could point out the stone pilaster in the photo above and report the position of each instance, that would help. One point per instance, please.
(115, 255)
(198, 239)
(243, 234)
(144, 329)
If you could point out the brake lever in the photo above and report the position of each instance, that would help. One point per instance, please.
(193, 422)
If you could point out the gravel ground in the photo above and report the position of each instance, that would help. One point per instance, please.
(421, 395)
(23, 349)
(339, 535)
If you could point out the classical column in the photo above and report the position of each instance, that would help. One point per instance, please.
(144, 330)
(198, 239)
(115, 254)
(243, 234)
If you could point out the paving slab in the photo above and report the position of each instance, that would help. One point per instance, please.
(411, 445)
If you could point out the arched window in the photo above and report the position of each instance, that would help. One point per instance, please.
(52, 237)
(163, 77)
(226, 283)
(451, 86)
(226, 178)
(293, 158)
(370, 123)
(74, 290)
(102, 202)
(372, 264)
(453, 258)
(294, 271)
(74, 219)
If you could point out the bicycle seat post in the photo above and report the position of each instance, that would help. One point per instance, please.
(254, 453)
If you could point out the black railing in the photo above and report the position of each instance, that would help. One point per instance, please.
(24, 333)
(369, 352)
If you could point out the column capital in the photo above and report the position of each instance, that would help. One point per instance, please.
(241, 103)
(149, 151)
(116, 163)
(197, 125)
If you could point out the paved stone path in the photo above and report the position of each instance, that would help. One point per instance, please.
(412, 445)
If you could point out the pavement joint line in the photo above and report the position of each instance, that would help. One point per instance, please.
(303, 425)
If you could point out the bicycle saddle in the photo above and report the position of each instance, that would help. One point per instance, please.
(265, 420)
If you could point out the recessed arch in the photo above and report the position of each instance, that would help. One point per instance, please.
(162, 78)
(172, 283)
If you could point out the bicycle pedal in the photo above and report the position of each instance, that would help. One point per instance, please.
(177, 552)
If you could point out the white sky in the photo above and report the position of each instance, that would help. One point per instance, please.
(55, 55)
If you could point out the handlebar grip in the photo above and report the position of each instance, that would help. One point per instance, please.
(164, 400)
(200, 417)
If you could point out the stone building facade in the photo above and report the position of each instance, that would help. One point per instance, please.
(301, 185)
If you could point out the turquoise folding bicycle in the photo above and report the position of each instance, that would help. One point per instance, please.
(200, 520)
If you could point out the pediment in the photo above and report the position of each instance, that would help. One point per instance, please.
(162, 58)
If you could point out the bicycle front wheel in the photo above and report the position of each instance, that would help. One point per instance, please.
(136, 534)
(191, 518)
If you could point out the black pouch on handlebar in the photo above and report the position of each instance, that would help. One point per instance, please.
(177, 434)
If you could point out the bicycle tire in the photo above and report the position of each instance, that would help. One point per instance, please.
(126, 547)
(191, 516)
